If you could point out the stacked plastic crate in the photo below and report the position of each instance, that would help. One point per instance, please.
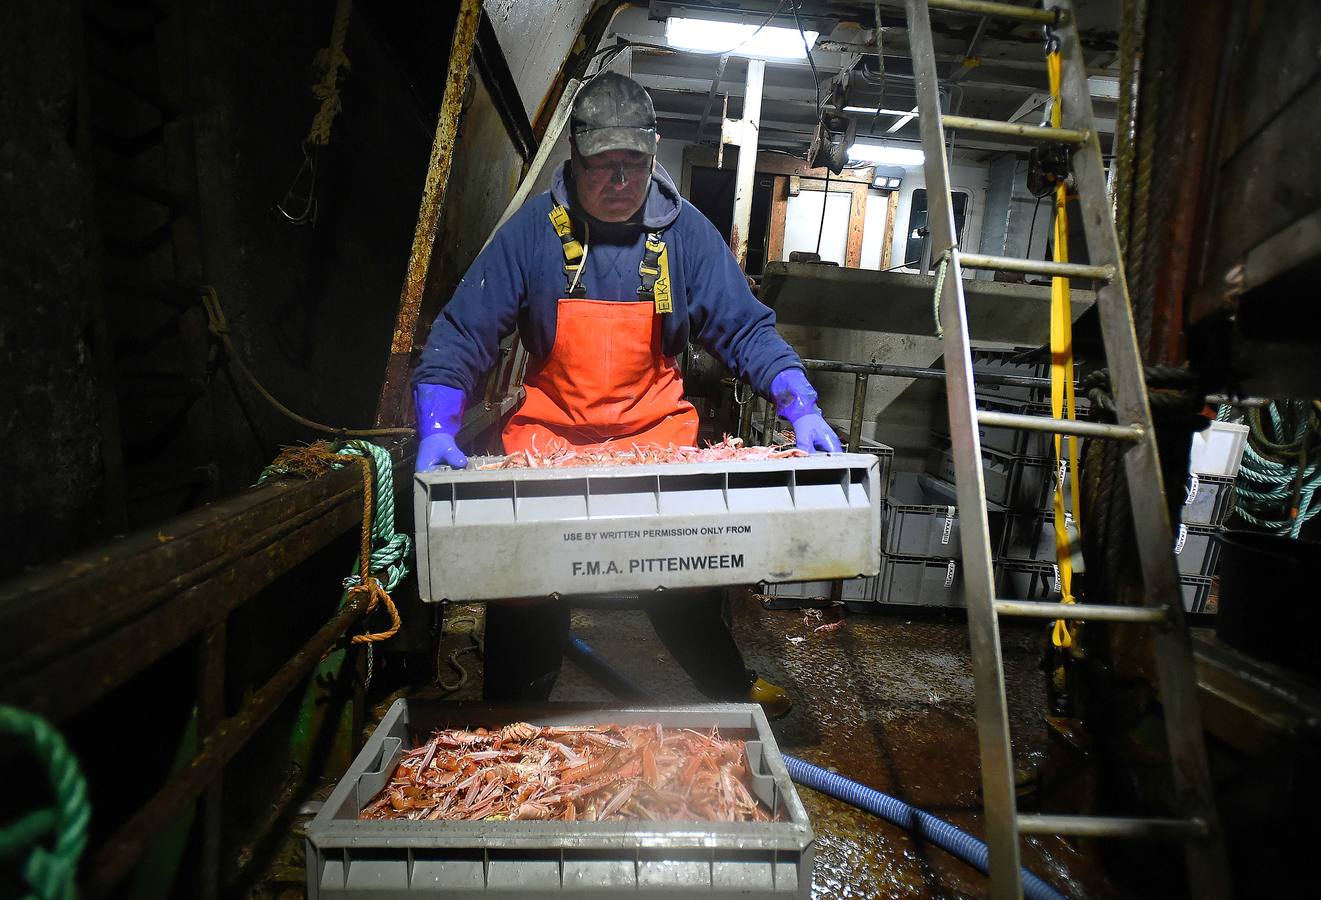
(1208, 503)
(1017, 469)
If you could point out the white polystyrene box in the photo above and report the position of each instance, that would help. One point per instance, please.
(1218, 450)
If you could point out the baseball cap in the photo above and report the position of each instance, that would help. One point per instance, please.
(613, 112)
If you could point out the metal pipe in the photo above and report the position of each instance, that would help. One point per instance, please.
(1113, 826)
(1017, 129)
(746, 177)
(1074, 427)
(538, 164)
(1091, 612)
(855, 420)
(117, 856)
(924, 374)
(1000, 10)
(1035, 266)
(390, 407)
(711, 97)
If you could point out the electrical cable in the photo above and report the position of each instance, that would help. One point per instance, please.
(816, 79)
(821, 227)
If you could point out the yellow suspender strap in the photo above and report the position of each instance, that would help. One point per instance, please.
(655, 272)
(1061, 379)
(573, 251)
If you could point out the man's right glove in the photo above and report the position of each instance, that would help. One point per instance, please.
(439, 414)
(795, 400)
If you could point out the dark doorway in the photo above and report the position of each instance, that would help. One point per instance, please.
(712, 191)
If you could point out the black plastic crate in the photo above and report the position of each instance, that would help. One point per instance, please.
(1196, 591)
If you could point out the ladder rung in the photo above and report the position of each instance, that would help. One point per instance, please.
(1001, 10)
(1016, 129)
(1091, 612)
(1112, 826)
(1035, 266)
(1074, 427)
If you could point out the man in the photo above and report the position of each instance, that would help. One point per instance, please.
(606, 277)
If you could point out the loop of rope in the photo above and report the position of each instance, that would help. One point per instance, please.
(218, 325)
(50, 872)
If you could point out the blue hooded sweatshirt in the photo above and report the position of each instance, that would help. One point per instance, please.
(519, 278)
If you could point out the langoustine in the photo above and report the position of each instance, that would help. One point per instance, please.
(596, 772)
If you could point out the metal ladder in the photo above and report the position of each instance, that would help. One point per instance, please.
(1196, 825)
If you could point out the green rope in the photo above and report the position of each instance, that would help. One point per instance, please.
(1278, 468)
(941, 268)
(390, 549)
(49, 872)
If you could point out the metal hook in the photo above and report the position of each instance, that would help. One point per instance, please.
(307, 198)
(1048, 32)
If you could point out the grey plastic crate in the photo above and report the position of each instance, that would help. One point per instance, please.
(862, 590)
(1011, 441)
(913, 581)
(1027, 580)
(1196, 550)
(1030, 536)
(884, 453)
(1013, 361)
(510, 533)
(1208, 499)
(1196, 590)
(997, 470)
(1042, 444)
(924, 520)
(352, 858)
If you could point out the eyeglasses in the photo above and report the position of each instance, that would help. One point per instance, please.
(627, 171)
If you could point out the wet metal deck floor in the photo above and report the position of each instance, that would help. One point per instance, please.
(886, 700)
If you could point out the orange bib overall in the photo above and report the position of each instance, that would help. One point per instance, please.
(606, 381)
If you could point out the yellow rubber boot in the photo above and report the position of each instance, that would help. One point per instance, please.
(773, 699)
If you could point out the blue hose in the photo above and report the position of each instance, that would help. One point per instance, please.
(928, 827)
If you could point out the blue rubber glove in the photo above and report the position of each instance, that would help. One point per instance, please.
(795, 400)
(439, 414)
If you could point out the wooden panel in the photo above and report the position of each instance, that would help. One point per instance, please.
(857, 218)
(891, 213)
(779, 211)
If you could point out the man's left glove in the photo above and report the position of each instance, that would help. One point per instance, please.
(795, 400)
(439, 414)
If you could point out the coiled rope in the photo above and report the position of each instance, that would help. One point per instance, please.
(1281, 466)
(50, 871)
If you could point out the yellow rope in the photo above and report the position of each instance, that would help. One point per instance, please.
(332, 59)
(1061, 377)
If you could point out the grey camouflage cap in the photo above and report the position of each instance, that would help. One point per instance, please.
(613, 112)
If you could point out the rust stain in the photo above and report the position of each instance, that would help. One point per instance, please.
(389, 406)
(438, 171)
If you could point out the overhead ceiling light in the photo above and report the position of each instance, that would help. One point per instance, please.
(873, 111)
(709, 36)
(884, 154)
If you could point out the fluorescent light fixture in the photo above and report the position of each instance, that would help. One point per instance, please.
(872, 111)
(736, 37)
(883, 154)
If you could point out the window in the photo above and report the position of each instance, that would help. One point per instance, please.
(917, 225)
